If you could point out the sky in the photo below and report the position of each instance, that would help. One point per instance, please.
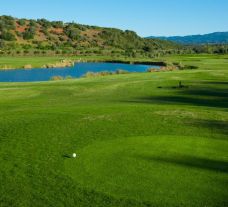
(146, 17)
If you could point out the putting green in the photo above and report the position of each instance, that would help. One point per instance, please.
(155, 169)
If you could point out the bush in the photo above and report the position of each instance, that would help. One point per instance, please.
(29, 33)
(120, 71)
(56, 78)
(44, 23)
(32, 23)
(8, 36)
(7, 23)
(19, 34)
(21, 22)
(57, 24)
(98, 74)
(72, 33)
(28, 66)
(179, 65)
(68, 77)
(26, 52)
(150, 70)
(104, 73)
(37, 52)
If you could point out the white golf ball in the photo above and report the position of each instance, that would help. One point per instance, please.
(74, 155)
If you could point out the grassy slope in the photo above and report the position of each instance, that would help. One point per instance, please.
(137, 145)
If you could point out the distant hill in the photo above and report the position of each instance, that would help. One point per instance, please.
(212, 38)
(24, 36)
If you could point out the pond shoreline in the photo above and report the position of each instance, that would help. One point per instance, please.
(79, 69)
(69, 63)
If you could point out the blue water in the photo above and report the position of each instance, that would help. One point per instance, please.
(78, 70)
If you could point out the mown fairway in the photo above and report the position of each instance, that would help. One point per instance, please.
(140, 141)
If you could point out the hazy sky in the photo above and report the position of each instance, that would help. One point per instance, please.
(146, 17)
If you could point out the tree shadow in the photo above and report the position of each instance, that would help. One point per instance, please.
(203, 96)
(219, 127)
(184, 100)
(220, 93)
(215, 82)
(190, 162)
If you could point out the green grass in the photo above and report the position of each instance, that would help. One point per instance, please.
(138, 145)
(154, 168)
(20, 62)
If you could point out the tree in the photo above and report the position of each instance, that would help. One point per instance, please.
(29, 33)
(6, 23)
(8, 36)
(21, 22)
(72, 33)
(32, 23)
(44, 23)
(57, 24)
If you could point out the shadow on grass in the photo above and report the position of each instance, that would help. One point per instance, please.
(208, 97)
(66, 156)
(219, 93)
(215, 82)
(190, 162)
(219, 127)
(184, 100)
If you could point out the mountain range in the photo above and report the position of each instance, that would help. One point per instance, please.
(212, 38)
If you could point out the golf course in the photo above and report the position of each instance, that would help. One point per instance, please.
(149, 139)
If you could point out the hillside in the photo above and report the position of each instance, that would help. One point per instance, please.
(23, 36)
(212, 38)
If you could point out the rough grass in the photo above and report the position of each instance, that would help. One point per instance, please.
(138, 145)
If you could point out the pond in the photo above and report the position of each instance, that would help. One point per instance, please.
(76, 71)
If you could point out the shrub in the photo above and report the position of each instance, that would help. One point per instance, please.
(44, 23)
(72, 33)
(45, 31)
(19, 34)
(179, 65)
(32, 23)
(28, 66)
(68, 77)
(56, 78)
(26, 52)
(92, 74)
(8, 36)
(167, 63)
(104, 73)
(21, 22)
(150, 70)
(120, 71)
(36, 52)
(57, 24)
(7, 23)
(89, 75)
(29, 33)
